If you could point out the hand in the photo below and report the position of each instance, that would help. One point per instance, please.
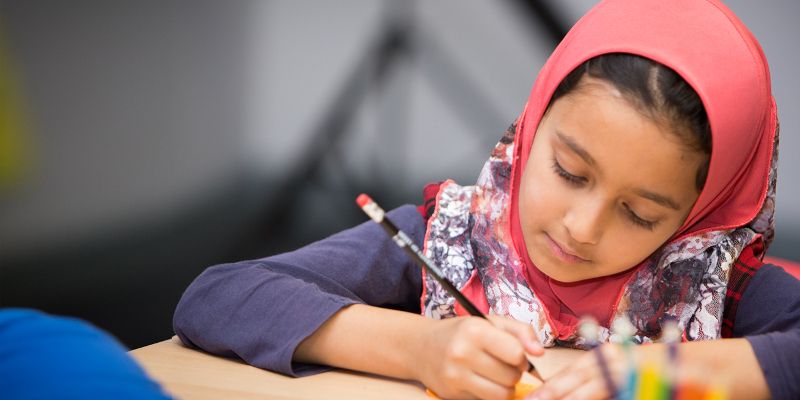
(470, 357)
(584, 379)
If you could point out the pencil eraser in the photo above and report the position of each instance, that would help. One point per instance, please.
(363, 200)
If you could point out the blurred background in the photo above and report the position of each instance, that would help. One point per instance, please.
(143, 141)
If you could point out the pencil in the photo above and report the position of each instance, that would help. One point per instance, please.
(376, 213)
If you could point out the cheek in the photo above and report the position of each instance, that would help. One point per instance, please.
(541, 198)
(625, 247)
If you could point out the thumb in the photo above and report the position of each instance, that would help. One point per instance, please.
(523, 332)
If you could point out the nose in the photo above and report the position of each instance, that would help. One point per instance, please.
(584, 220)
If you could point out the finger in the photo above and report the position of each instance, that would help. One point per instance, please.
(523, 332)
(593, 389)
(585, 370)
(579, 373)
(496, 370)
(503, 346)
(564, 382)
(484, 388)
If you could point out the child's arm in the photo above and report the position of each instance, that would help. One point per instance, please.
(456, 358)
(763, 362)
(730, 363)
(260, 310)
(768, 316)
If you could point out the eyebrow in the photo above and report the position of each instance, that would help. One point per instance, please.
(576, 148)
(660, 199)
(582, 153)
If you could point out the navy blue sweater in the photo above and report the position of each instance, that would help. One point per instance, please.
(260, 310)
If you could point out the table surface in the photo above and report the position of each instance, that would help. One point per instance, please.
(190, 374)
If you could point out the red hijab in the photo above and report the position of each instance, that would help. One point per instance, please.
(707, 45)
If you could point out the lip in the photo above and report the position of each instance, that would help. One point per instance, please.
(562, 254)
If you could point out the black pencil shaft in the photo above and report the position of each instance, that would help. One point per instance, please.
(412, 250)
(408, 245)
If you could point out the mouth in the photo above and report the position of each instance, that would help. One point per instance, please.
(563, 253)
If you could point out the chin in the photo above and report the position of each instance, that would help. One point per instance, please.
(565, 278)
(556, 272)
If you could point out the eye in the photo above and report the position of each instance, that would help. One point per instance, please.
(637, 220)
(571, 179)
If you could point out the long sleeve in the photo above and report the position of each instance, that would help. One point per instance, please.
(260, 310)
(769, 318)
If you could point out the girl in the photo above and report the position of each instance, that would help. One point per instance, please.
(638, 183)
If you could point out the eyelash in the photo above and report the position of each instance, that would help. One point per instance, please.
(571, 179)
(579, 181)
(649, 225)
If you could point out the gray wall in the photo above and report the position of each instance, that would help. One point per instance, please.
(773, 23)
(139, 108)
(135, 111)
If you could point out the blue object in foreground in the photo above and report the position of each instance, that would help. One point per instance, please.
(49, 357)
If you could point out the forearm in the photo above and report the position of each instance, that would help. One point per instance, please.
(251, 310)
(352, 339)
(768, 316)
(260, 310)
(730, 363)
(463, 357)
(733, 360)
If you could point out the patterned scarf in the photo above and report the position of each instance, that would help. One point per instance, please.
(685, 281)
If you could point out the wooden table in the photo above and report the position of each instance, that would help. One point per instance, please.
(191, 374)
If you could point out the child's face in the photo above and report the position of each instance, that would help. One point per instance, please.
(604, 187)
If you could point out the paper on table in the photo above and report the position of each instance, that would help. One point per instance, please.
(520, 391)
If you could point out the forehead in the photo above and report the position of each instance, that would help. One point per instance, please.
(630, 148)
